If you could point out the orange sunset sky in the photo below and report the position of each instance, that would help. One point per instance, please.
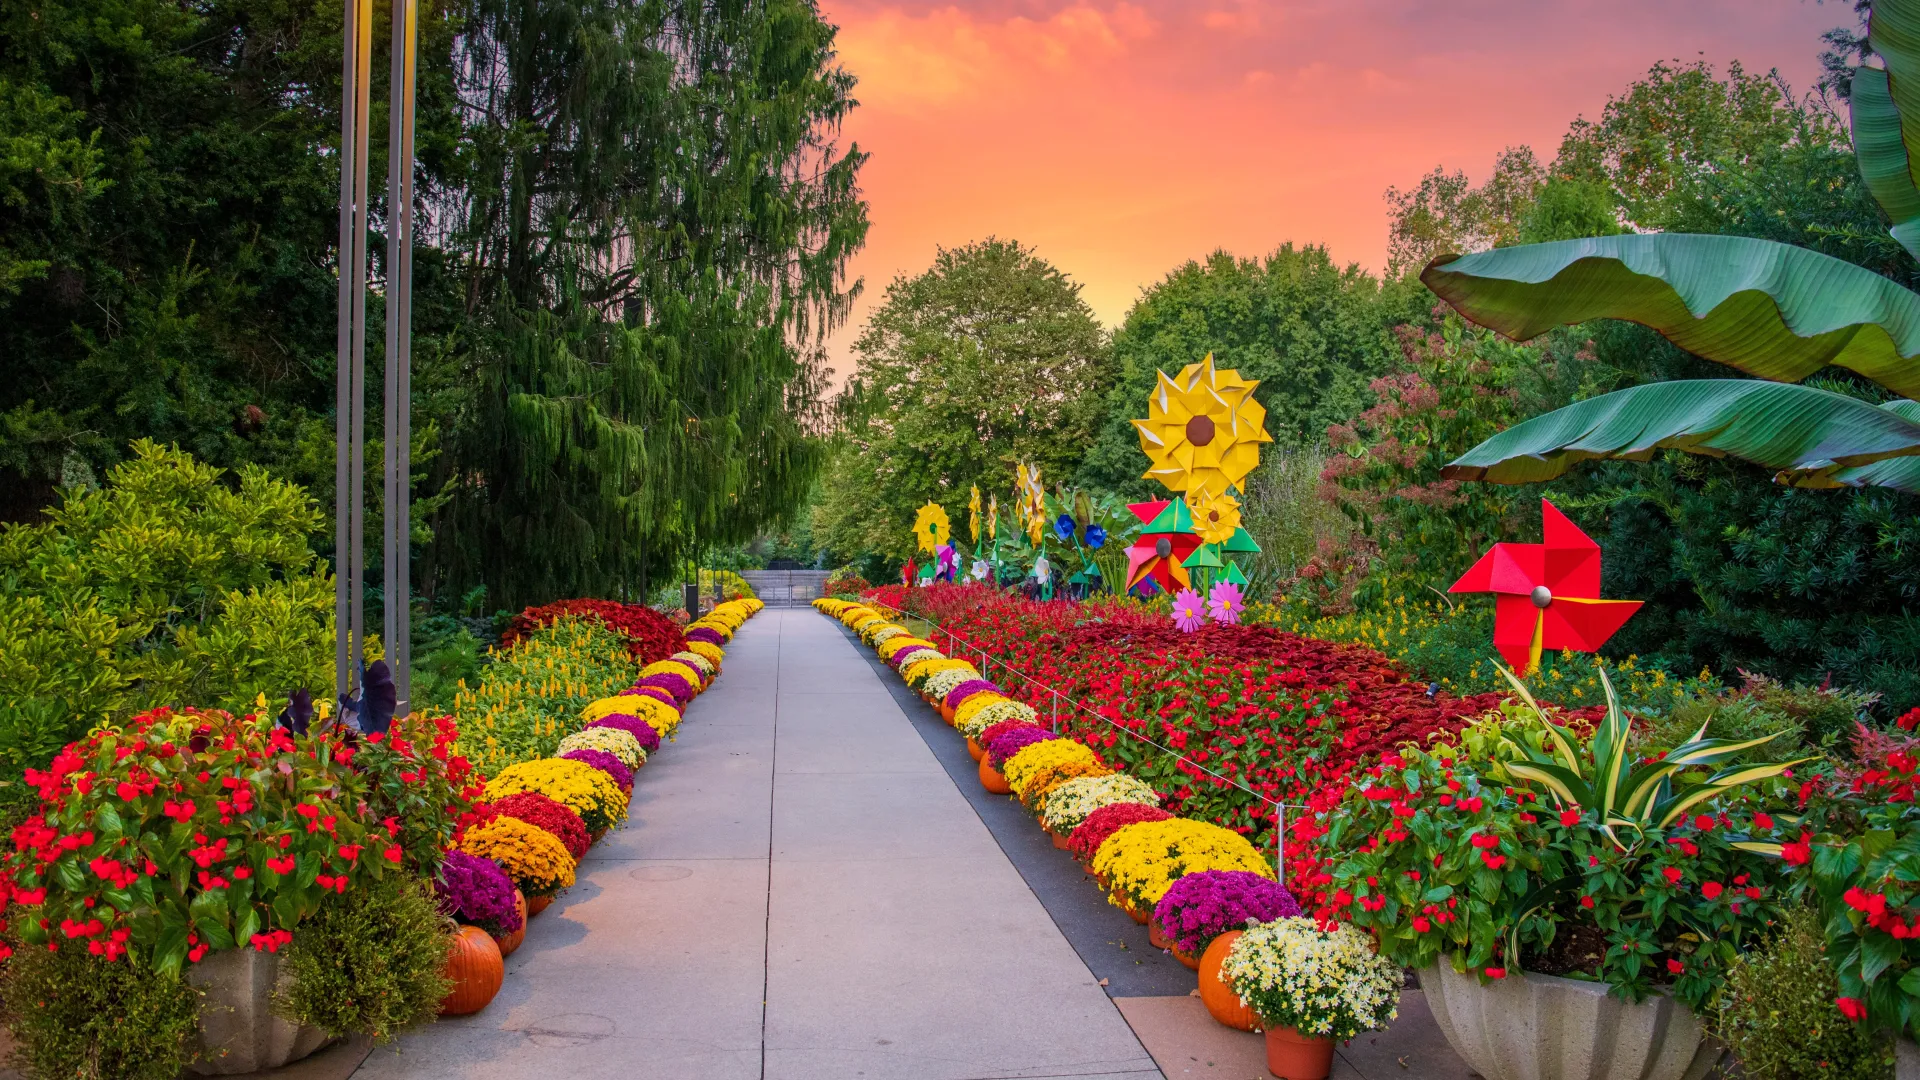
(1122, 139)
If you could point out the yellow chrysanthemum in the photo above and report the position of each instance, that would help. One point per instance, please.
(620, 744)
(675, 667)
(1041, 767)
(892, 647)
(534, 858)
(972, 721)
(698, 663)
(967, 710)
(658, 715)
(930, 527)
(1203, 429)
(586, 790)
(708, 651)
(1142, 861)
(1215, 517)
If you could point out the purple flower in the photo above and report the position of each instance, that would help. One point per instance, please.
(476, 891)
(1202, 906)
(907, 656)
(606, 763)
(673, 683)
(1012, 742)
(969, 688)
(707, 634)
(660, 694)
(642, 731)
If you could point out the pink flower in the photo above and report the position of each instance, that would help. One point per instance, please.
(1189, 612)
(1225, 603)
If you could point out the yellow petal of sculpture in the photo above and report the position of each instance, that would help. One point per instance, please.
(1215, 517)
(973, 514)
(930, 527)
(1203, 429)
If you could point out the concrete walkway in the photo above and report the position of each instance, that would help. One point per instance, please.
(802, 892)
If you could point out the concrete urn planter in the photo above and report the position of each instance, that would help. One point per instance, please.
(239, 1032)
(1906, 1059)
(1542, 1027)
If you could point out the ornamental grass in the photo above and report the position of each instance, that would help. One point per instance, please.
(1069, 804)
(1037, 770)
(555, 817)
(619, 743)
(585, 790)
(1141, 861)
(535, 858)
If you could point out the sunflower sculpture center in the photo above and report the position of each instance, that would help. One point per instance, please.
(1200, 430)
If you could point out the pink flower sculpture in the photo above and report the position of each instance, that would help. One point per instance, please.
(1225, 603)
(1189, 611)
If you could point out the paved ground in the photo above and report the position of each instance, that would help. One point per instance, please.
(802, 892)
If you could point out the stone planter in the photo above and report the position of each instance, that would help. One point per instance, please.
(238, 1031)
(1906, 1060)
(1541, 1027)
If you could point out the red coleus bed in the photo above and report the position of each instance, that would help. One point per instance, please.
(650, 636)
(180, 833)
(1247, 716)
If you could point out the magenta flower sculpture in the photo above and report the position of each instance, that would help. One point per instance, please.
(1189, 611)
(1225, 603)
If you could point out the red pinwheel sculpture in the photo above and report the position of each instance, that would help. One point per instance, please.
(1158, 552)
(1546, 596)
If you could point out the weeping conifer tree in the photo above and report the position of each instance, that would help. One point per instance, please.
(654, 227)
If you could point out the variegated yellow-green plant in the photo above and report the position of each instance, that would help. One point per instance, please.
(1600, 776)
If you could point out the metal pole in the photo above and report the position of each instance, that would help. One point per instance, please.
(396, 546)
(355, 59)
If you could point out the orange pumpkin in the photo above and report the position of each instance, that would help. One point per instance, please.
(991, 779)
(474, 968)
(1221, 1001)
(946, 713)
(512, 941)
(974, 749)
(537, 904)
(1154, 937)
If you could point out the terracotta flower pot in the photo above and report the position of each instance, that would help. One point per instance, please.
(598, 836)
(512, 941)
(1060, 840)
(1121, 901)
(473, 967)
(991, 779)
(537, 904)
(1154, 937)
(1222, 1003)
(974, 749)
(1293, 1056)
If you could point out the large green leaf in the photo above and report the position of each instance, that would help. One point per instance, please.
(1772, 310)
(1880, 142)
(1803, 433)
(1899, 473)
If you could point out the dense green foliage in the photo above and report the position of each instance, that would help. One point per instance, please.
(177, 582)
(1310, 330)
(370, 963)
(987, 360)
(633, 227)
(1778, 1015)
(75, 1015)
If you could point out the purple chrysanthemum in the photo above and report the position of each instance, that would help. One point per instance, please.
(606, 763)
(673, 683)
(707, 634)
(476, 891)
(1202, 906)
(969, 688)
(657, 693)
(641, 731)
(1012, 742)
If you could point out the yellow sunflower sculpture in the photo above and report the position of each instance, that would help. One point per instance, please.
(973, 514)
(1215, 517)
(931, 527)
(1203, 429)
(993, 516)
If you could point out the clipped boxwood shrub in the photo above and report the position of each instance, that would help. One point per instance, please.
(372, 962)
(77, 1015)
(1779, 1019)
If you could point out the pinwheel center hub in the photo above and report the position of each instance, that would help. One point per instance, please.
(1542, 596)
(1200, 430)
(1163, 547)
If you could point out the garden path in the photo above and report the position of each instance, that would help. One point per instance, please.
(801, 892)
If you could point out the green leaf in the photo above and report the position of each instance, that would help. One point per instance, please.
(1879, 142)
(1878, 952)
(1806, 435)
(209, 908)
(249, 925)
(1772, 310)
(170, 952)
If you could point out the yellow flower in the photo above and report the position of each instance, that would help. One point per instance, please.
(1038, 769)
(535, 858)
(1142, 861)
(1069, 804)
(586, 790)
(620, 744)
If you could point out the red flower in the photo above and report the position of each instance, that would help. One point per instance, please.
(1673, 874)
(1569, 818)
(1496, 973)
(1851, 1008)
(1711, 890)
(1676, 967)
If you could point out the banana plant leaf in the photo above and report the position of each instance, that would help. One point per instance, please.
(1880, 144)
(1899, 473)
(1772, 310)
(1807, 435)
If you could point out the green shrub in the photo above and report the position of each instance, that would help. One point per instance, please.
(1779, 1019)
(371, 963)
(174, 583)
(79, 1017)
